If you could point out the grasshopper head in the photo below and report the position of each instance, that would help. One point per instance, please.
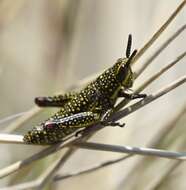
(124, 72)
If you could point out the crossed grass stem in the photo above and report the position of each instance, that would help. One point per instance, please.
(50, 150)
(40, 182)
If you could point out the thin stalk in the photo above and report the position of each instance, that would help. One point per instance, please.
(46, 152)
(91, 169)
(159, 32)
(132, 150)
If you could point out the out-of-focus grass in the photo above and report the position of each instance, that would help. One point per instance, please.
(46, 46)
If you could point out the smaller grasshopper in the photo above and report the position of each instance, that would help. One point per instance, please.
(92, 105)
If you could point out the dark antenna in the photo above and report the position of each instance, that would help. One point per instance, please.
(129, 44)
(130, 58)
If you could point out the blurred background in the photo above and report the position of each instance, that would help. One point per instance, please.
(48, 46)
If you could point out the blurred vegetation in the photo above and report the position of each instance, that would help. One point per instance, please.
(47, 46)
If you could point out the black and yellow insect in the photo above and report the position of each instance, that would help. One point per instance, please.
(89, 106)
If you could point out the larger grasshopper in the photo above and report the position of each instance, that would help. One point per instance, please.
(93, 104)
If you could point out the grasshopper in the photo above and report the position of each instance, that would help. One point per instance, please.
(91, 105)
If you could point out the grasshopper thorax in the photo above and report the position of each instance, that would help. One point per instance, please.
(117, 77)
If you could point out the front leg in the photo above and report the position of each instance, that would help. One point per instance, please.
(106, 122)
(54, 101)
(130, 96)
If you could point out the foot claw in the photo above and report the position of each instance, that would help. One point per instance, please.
(78, 133)
(121, 124)
(113, 124)
(135, 96)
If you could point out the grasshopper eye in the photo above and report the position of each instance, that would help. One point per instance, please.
(122, 73)
(125, 76)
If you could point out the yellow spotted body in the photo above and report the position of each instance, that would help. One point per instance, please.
(85, 108)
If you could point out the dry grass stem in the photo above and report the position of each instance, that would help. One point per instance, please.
(22, 163)
(159, 32)
(51, 170)
(132, 150)
(159, 73)
(155, 142)
(36, 110)
(11, 117)
(148, 99)
(23, 119)
(41, 181)
(74, 143)
(13, 139)
(158, 51)
(5, 138)
(92, 169)
(167, 128)
(166, 175)
(18, 165)
(147, 82)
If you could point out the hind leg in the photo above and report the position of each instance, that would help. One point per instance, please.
(54, 101)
